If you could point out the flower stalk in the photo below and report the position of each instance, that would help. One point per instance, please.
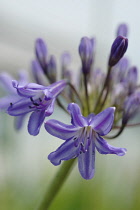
(56, 184)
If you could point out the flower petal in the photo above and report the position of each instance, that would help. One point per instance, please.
(60, 130)
(86, 162)
(77, 118)
(29, 90)
(66, 151)
(57, 87)
(5, 101)
(104, 148)
(50, 108)
(35, 121)
(20, 107)
(102, 122)
(6, 81)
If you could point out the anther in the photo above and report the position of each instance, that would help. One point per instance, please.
(11, 104)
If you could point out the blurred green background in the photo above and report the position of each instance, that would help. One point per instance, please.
(25, 171)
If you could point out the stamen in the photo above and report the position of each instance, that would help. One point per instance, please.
(30, 107)
(31, 99)
(36, 104)
(11, 104)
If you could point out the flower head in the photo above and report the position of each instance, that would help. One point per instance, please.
(37, 99)
(82, 137)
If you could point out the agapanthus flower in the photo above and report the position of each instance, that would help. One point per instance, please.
(37, 99)
(11, 95)
(82, 137)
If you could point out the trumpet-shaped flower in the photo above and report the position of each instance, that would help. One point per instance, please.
(37, 99)
(82, 138)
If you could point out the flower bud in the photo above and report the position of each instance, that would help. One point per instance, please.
(86, 48)
(132, 79)
(51, 69)
(38, 73)
(131, 107)
(118, 49)
(122, 30)
(41, 52)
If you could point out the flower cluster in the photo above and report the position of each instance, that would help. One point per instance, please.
(92, 100)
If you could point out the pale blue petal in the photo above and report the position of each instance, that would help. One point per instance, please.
(21, 107)
(102, 122)
(50, 108)
(7, 100)
(77, 118)
(60, 130)
(35, 121)
(66, 151)
(86, 162)
(6, 82)
(104, 148)
(57, 87)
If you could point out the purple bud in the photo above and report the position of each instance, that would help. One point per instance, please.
(132, 79)
(65, 59)
(118, 49)
(41, 52)
(131, 107)
(51, 69)
(38, 73)
(86, 48)
(122, 30)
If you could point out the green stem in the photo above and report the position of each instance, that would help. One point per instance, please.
(76, 93)
(97, 105)
(56, 184)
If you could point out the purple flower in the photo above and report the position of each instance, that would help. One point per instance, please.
(82, 137)
(6, 82)
(118, 49)
(86, 49)
(37, 99)
(122, 30)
